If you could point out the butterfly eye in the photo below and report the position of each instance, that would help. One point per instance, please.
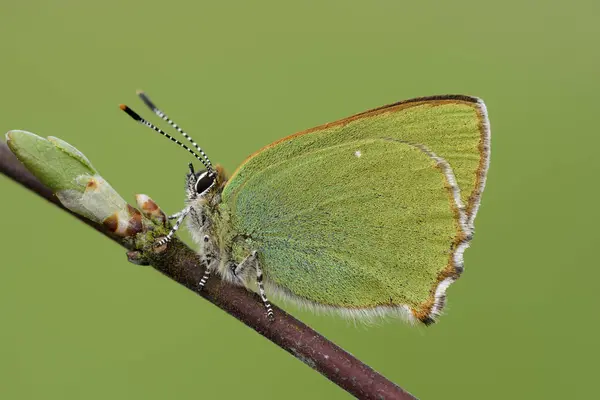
(204, 182)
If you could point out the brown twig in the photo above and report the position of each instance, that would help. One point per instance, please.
(180, 263)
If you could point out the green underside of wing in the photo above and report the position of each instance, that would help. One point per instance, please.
(342, 230)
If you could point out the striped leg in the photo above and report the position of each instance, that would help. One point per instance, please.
(241, 272)
(209, 259)
(182, 214)
(176, 215)
(204, 279)
(261, 290)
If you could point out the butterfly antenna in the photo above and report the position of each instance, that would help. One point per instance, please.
(142, 121)
(164, 116)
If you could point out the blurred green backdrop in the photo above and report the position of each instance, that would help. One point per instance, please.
(77, 321)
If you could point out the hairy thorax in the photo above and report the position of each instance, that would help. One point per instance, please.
(210, 226)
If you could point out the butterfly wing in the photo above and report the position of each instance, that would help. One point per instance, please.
(371, 214)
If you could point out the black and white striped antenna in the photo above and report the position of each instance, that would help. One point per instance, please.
(204, 160)
(164, 116)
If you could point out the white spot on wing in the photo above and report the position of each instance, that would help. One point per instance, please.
(357, 153)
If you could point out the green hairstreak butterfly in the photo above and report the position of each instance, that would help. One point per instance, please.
(367, 216)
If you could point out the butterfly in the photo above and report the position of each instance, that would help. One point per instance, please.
(366, 216)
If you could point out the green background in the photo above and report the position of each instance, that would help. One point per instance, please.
(77, 321)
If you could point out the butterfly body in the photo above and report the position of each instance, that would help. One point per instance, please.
(367, 216)
(210, 229)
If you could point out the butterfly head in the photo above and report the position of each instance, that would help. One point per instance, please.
(198, 184)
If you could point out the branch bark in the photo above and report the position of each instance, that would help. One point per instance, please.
(180, 263)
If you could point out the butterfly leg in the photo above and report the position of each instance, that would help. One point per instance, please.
(176, 215)
(241, 272)
(209, 259)
(207, 271)
(182, 214)
(261, 290)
